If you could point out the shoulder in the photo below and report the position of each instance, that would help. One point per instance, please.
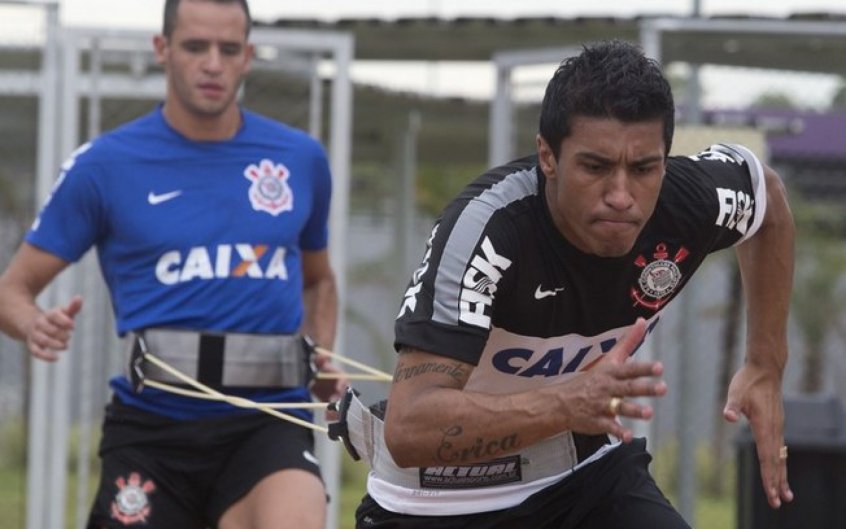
(260, 127)
(723, 185)
(720, 160)
(135, 138)
(501, 187)
(492, 206)
(717, 168)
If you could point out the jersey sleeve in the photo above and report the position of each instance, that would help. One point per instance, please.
(757, 189)
(448, 306)
(722, 188)
(71, 219)
(315, 235)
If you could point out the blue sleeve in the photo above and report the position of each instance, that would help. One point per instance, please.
(71, 220)
(315, 235)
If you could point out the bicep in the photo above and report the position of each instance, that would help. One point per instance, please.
(31, 269)
(778, 210)
(774, 238)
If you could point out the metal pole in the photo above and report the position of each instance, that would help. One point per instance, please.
(687, 402)
(38, 471)
(91, 333)
(694, 85)
(64, 287)
(339, 157)
(406, 243)
(650, 40)
(686, 468)
(95, 102)
(315, 115)
(500, 146)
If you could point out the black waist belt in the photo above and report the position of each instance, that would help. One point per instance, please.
(221, 359)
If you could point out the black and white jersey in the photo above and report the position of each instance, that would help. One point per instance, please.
(500, 288)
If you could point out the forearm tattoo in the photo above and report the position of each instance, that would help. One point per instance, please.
(453, 449)
(404, 372)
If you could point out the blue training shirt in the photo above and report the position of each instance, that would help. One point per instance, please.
(194, 235)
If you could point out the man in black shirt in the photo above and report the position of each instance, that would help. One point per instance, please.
(539, 281)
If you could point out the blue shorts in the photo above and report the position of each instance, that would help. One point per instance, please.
(615, 492)
(160, 473)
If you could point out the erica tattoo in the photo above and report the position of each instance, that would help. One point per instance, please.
(453, 449)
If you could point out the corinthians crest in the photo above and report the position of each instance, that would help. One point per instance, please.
(269, 191)
(131, 504)
(659, 277)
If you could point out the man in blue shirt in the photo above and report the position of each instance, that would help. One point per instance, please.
(210, 224)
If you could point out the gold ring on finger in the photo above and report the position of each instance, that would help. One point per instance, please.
(782, 453)
(614, 405)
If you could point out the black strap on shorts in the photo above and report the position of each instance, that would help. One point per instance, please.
(587, 445)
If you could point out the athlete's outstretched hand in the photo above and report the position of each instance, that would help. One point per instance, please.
(50, 331)
(756, 393)
(328, 389)
(594, 400)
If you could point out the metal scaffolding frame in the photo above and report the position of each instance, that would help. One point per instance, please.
(501, 130)
(59, 85)
(500, 135)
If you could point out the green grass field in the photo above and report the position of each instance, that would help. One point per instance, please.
(12, 494)
(353, 480)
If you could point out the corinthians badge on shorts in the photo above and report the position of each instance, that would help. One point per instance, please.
(269, 191)
(131, 504)
(659, 278)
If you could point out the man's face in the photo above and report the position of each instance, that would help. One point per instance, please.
(206, 57)
(603, 187)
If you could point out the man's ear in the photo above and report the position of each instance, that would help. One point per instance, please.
(159, 47)
(546, 158)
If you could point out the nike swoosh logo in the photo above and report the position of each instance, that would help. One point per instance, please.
(155, 199)
(540, 293)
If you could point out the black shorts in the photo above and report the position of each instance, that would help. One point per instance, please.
(159, 473)
(615, 492)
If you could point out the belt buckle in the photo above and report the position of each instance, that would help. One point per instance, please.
(340, 429)
(310, 350)
(137, 359)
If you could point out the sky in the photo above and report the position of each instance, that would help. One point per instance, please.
(148, 12)
(476, 80)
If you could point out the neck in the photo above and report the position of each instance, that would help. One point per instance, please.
(202, 127)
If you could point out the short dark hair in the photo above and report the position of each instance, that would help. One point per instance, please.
(172, 7)
(610, 79)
